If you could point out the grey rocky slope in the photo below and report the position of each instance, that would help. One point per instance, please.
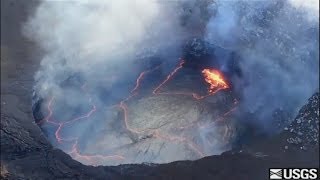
(26, 154)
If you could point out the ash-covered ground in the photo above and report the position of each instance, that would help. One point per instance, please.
(27, 153)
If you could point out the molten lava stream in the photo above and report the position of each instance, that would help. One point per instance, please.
(75, 152)
(62, 124)
(219, 119)
(168, 77)
(213, 77)
(134, 92)
(48, 117)
(172, 138)
(92, 159)
(156, 133)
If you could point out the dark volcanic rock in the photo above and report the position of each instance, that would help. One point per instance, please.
(300, 139)
(26, 153)
(303, 133)
(199, 54)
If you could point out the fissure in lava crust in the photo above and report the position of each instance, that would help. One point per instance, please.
(215, 82)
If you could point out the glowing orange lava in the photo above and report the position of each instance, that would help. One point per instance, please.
(215, 79)
(93, 159)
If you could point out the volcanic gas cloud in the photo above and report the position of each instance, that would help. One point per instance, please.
(168, 135)
(158, 81)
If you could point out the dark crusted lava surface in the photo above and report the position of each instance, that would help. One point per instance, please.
(26, 154)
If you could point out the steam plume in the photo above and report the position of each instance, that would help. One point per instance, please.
(277, 42)
(104, 45)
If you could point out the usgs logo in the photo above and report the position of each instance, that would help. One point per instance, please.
(293, 173)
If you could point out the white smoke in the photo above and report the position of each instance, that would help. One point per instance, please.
(278, 45)
(104, 44)
(95, 36)
(309, 7)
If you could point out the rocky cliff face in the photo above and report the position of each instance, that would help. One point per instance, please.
(304, 132)
(27, 154)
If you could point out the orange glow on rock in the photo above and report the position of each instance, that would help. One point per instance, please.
(215, 79)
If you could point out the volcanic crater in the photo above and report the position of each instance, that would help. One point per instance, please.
(185, 114)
